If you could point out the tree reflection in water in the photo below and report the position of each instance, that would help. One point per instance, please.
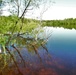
(12, 61)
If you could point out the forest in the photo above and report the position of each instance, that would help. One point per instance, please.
(68, 23)
(6, 24)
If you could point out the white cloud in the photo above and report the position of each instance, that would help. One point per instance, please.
(60, 13)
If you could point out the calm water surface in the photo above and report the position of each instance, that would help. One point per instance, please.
(62, 45)
(60, 59)
(61, 56)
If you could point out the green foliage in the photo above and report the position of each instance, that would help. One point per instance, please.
(7, 24)
(11, 29)
(66, 23)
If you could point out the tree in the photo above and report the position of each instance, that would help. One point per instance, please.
(6, 40)
(0, 12)
(17, 7)
(24, 6)
(0, 7)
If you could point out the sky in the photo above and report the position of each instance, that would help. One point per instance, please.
(61, 9)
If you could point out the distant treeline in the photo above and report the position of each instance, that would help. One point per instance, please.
(7, 23)
(66, 23)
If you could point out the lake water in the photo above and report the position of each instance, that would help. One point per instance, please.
(62, 45)
(61, 56)
(60, 59)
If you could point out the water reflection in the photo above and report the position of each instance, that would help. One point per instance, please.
(38, 57)
(62, 45)
(18, 54)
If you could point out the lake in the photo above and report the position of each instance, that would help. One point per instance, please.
(61, 56)
(62, 45)
(57, 57)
